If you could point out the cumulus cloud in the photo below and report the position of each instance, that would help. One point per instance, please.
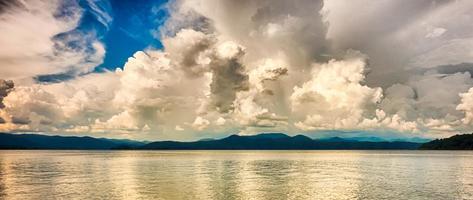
(40, 37)
(58, 106)
(267, 28)
(466, 106)
(200, 123)
(253, 66)
(188, 49)
(6, 87)
(335, 97)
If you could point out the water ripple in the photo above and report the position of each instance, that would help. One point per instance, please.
(236, 175)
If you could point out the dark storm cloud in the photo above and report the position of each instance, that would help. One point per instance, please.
(8, 4)
(229, 77)
(55, 78)
(6, 86)
(455, 68)
(22, 121)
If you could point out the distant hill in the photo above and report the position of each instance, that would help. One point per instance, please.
(378, 139)
(265, 141)
(456, 142)
(277, 141)
(36, 141)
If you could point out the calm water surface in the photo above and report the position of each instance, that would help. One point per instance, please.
(236, 175)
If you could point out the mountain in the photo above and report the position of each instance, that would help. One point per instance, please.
(277, 141)
(414, 139)
(456, 142)
(336, 139)
(36, 141)
(376, 139)
(206, 139)
(265, 141)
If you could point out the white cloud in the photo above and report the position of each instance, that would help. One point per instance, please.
(334, 98)
(123, 120)
(252, 66)
(36, 40)
(200, 123)
(466, 106)
(101, 10)
(178, 128)
(220, 121)
(436, 32)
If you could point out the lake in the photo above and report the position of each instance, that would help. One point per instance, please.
(236, 175)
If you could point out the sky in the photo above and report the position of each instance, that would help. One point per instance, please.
(191, 69)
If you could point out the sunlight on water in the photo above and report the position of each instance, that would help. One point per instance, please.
(236, 175)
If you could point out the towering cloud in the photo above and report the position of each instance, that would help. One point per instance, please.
(6, 86)
(334, 97)
(264, 65)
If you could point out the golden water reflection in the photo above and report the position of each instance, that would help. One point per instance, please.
(236, 175)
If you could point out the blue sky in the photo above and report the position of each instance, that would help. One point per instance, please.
(134, 26)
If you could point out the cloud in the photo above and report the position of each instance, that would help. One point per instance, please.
(228, 75)
(6, 87)
(179, 128)
(200, 123)
(101, 10)
(266, 28)
(188, 50)
(429, 100)
(220, 121)
(334, 98)
(59, 106)
(121, 121)
(56, 47)
(252, 66)
(393, 35)
(436, 32)
(466, 106)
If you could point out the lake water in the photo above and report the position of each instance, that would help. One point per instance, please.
(236, 175)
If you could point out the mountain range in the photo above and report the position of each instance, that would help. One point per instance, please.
(277, 141)
(264, 141)
(37, 141)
